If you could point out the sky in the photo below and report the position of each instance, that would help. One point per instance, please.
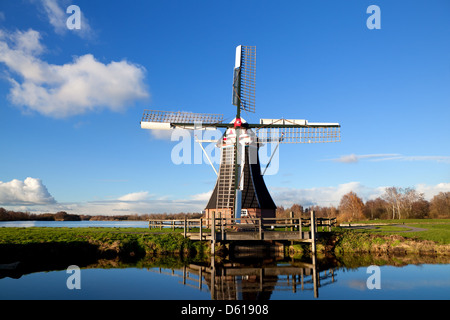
(71, 99)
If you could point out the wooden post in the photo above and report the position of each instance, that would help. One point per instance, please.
(300, 227)
(185, 222)
(261, 277)
(213, 233)
(291, 215)
(260, 228)
(201, 227)
(221, 225)
(294, 283)
(313, 232)
(315, 276)
(213, 279)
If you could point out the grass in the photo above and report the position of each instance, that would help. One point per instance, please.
(120, 240)
(141, 241)
(437, 230)
(439, 233)
(403, 221)
(42, 234)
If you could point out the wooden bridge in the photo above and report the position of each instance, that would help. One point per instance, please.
(218, 229)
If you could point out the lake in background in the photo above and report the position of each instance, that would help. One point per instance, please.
(75, 224)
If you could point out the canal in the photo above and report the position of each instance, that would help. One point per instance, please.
(171, 278)
(244, 278)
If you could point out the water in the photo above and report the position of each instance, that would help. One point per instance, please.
(286, 280)
(274, 278)
(129, 283)
(75, 224)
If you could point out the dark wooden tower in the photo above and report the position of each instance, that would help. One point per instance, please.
(255, 199)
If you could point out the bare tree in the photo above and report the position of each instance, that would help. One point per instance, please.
(393, 196)
(351, 206)
(297, 210)
(409, 198)
(402, 202)
(440, 205)
(376, 209)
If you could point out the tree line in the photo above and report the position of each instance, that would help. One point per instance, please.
(9, 215)
(394, 203)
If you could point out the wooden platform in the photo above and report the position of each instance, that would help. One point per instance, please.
(217, 229)
(248, 235)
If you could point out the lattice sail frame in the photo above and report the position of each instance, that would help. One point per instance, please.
(180, 117)
(248, 78)
(245, 78)
(277, 131)
(319, 134)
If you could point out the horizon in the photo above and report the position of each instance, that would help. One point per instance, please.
(72, 97)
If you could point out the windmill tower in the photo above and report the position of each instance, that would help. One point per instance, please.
(240, 190)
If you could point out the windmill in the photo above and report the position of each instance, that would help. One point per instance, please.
(240, 191)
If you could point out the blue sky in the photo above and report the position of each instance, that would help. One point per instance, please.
(71, 100)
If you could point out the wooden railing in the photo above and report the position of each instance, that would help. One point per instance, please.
(222, 225)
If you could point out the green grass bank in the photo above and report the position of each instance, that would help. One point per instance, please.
(424, 236)
(17, 244)
(409, 236)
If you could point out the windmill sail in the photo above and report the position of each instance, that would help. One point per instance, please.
(245, 78)
(297, 131)
(166, 120)
(299, 135)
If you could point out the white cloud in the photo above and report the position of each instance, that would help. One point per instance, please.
(353, 158)
(441, 159)
(109, 207)
(28, 192)
(331, 196)
(140, 203)
(60, 91)
(202, 196)
(323, 196)
(136, 196)
(430, 191)
(31, 195)
(161, 134)
(27, 42)
(57, 16)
